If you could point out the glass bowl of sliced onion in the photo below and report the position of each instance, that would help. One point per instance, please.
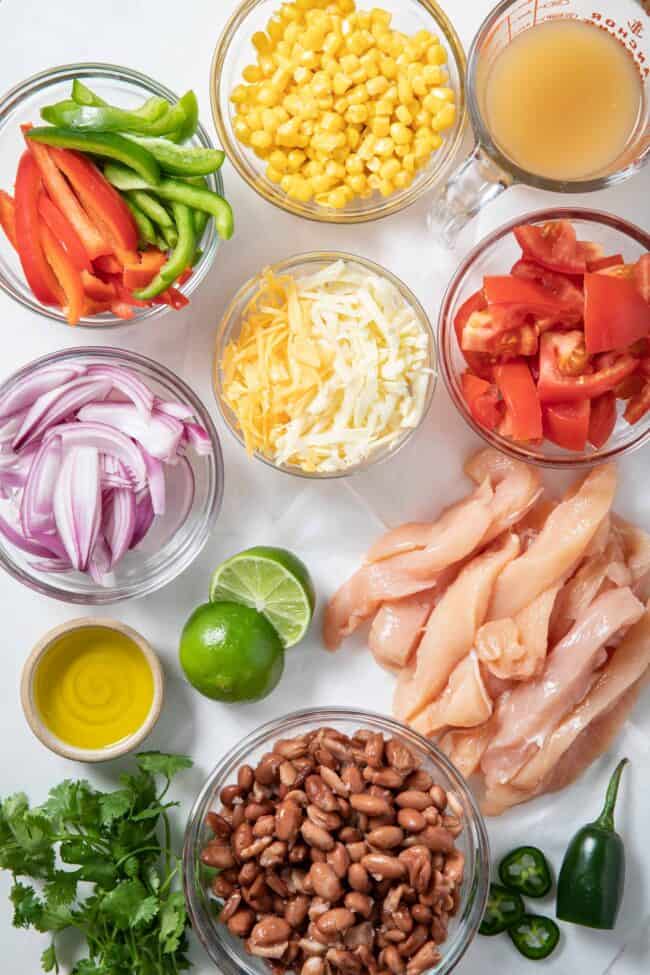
(325, 364)
(111, 475)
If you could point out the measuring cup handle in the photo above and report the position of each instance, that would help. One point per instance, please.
(477, 181)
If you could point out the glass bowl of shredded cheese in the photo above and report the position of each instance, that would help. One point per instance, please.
(324, 364)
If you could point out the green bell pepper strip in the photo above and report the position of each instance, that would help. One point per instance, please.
(526, 870)
(187, 128)
(180, 160)
(83, 95)
(106, 118)
(156, 212)
(146, 229)
(534, 936)
(177, 191)
(107, 144)
(200, 223)
(592, 877)
(180, 258)
(504, 907)
(170, 124)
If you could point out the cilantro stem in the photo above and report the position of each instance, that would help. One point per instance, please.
(133, 853)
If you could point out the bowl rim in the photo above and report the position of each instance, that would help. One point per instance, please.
(280, 727)
(401, 200)
(89, 69)
(285, 266)
(446, 335)
(103, 597)
(34, 719)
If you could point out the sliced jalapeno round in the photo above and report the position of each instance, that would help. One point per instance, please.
(504, 908)
(535, 936)
(526, 870)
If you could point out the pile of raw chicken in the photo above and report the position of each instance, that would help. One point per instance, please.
(516, 626)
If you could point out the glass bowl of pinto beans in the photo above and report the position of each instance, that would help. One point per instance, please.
(595, 406)
(341, 112)
(323, 837)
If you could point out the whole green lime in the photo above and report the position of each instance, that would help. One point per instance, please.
(230, 652)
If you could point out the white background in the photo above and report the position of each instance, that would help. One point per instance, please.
(329, 525)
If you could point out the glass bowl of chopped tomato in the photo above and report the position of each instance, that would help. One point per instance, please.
(315, 393)
(544, 335)
(21, 106)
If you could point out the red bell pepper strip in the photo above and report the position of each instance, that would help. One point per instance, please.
(99, 198)
(641, 276)
(108, 264)
(616, 314)
(483, 400)
(64, 232)
(602, 419)
(140, 274)
(638, 405)
(68, 275)
(567, 424)
(62, 196)
(556, 386)
(8, 218)
(172, 297)
(28, 235)
(127, 296)
(122, 309)
(97, 289)
(523, 420)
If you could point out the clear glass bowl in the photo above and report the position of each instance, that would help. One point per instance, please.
(234, 51)
(496, 254)
(119, 86)
(230, 327)
(175, 538)
(227, 951)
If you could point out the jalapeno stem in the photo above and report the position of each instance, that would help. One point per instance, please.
(606, 818)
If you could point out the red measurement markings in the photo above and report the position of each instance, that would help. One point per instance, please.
(622, 35)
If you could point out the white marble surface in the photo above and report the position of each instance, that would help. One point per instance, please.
(329, 525)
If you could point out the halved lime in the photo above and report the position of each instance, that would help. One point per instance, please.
(274, 582)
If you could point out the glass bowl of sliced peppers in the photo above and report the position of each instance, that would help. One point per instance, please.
(544, 336)
(111, 196)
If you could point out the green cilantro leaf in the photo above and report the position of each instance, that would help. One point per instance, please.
(49, 961)
(114, 805)
(72, 802)
(120, 904)
(145, 911)
(62, 888)
(173, 918)
(28, 907)
(158, 763)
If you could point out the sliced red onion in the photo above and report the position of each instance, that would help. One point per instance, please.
(99, 563)
(33, 547)
(9, 428)
(128, 384)
(189, 488)
(156, 478)
(198, 438)
(51, 565)
(54, 406)
(177, 410)
(159, 435)
(144, 516)
(77, 504)
(119, 522)
(114, 474)
(108, 441)
(36, 512)
(27, 390)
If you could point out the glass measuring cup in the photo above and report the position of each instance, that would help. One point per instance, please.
(487, 171)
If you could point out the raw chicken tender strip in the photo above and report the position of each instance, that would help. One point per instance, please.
(450, 632)
(397, 628)
(515, 649)
(403, 575)
(636, 547)
(466, 748)
(529, 712)
(464, 703)
(558, 547)
(516, 486)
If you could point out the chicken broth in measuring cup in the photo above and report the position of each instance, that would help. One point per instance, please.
(563, 99)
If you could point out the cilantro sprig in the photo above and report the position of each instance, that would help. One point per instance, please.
(101, 867)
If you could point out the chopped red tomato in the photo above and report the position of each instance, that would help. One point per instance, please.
(567, 424)
(100, 199)
(499, 332)
(8, 218)
(602, 263)
(505, 289)
(615, 313)
(67, 274)
(564, 286)
(553, 245)
(139, 275)
(603, 419)
(64, 232)
(556, 385)
(483, 400)
(639, 404)
(641, 276)
(629, 386)
(97, 289)
(523, 420)
(28, 233)
(623, 271)
(479, 364)
(589, 251)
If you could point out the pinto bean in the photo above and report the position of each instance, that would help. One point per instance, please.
(241, 923)
(336, 921)
(326, 882)
(413, 799)
(370, 805)
(317, 836)
(386, 837)
(383, 866)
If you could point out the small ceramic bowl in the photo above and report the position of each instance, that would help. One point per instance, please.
(35, 720)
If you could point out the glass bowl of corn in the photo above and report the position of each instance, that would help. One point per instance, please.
(340, 111)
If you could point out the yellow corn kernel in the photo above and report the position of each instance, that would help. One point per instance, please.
(349, 63)
(328, 141)
(311, 168)
(400, 134)
(389, 169)
(425, 37)
(357, 183)
(401, 151)
(321, 183)
(252, 73)
(432, 74)
(359, 75)
(309, 59)
(287, 134)
(372, 56)
(331, 122)
(278, 159)
(419, 85)
(266, 65)
(269, 120)
(436, 54)
(424, 147)
(239, 94)
(408, 162)
(261, 139)
(380, 125)
(335, 169)
(261, 42)
(254, 119)
(374, 164)
(295, 159)
(403, 179)
(374, 180)
(443, 93)
(292, 33)
(340, 83)
(384, 107)
(384, 41)
(281, 52)
(356, 114)
(404, 90)
(371, 69)
(337, 198)
(332, 43)
(302, 76)
(358, 95)
(273, 174)
(403, 115)
(241, 130)
(285, 182)
(321, 85)
(386, 187)
(422, 119)
(353, 137)
(340, 105)
(366, 149)
(345, 6)
(377, 86)
(354, 165)
(384, 147)
(388, 67)
(358, 42)
(445, 118)
(300, 189)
